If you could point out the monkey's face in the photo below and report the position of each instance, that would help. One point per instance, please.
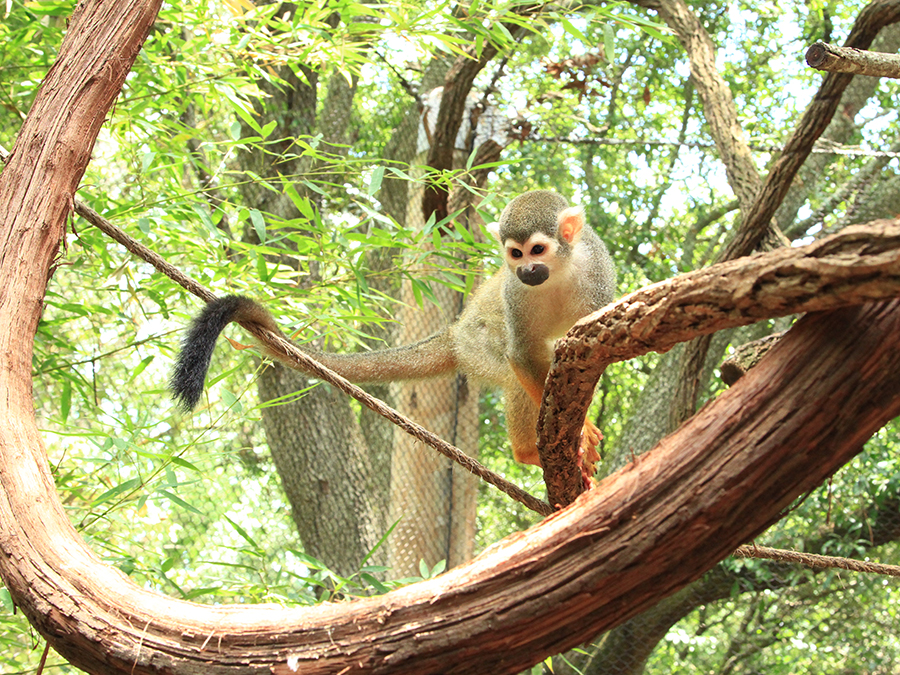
(531, 260)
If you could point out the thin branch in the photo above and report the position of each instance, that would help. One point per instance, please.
(816, 561)
(832, 58)
(718, 102)
(305, 363)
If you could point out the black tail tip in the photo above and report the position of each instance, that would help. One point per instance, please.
(184, 392)
(197, 346)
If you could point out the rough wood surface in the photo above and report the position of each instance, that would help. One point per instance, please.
(860, 263)
(745, 357)
(835, 59)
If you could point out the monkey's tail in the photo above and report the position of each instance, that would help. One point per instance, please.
(197, 346)
(430, 357)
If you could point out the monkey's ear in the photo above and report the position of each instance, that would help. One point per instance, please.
(571, 223)
(494, 229)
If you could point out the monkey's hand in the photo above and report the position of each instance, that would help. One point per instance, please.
(587, 452)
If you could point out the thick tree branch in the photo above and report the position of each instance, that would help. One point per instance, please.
(860, 263)
(832, 58)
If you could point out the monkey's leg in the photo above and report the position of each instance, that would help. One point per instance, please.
(521, 425)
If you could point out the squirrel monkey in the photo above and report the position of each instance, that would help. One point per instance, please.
(557, 270)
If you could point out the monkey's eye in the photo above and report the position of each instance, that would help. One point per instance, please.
(537, 249)
(515, 253)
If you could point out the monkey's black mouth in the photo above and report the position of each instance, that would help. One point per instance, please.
(533, 274)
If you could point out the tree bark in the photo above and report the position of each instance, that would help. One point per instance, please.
(629, 646)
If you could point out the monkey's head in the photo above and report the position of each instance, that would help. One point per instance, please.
(537, 231)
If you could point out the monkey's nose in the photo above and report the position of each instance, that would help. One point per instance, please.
(533, 274)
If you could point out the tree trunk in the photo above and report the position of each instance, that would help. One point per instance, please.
(434, 500)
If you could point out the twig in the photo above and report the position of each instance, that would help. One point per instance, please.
(832, 58)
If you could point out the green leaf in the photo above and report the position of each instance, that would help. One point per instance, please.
(375, 180)
(609, 37)
(573, 31)
(259, 224)
(374, 583)
(147, 160)
(241, 531)
(439, 567)
(262, 270)
(183, 463)
(266, 130)
(119, 489)
(171, 496)
(140, 367)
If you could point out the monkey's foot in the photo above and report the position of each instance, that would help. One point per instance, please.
(588, 457)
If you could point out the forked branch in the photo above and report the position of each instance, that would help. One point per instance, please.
(859, 264)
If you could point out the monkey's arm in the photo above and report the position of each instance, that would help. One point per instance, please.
(430, 357)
